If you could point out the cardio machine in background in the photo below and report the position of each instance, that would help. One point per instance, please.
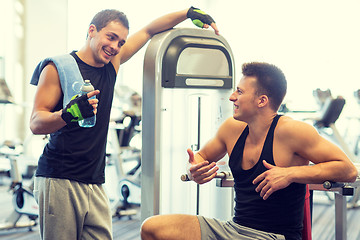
(357, 141)
(330, 111)
(23, 200)
(123, 175)
(324, 120)
(11, 153)
(325, 117)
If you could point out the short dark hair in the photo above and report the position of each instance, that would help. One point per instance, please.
(102, 18)
(270, 81)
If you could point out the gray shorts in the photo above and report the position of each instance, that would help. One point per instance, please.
(72, 210)
(213, 229)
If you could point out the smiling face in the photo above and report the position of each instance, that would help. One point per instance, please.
(106, 43)
(245, 99)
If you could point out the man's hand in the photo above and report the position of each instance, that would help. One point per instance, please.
(80, 107)
(201, 19)
(270, 181)
(202, 172)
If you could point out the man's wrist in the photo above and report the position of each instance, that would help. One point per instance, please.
(188, 166)
(188, 11)
(66, 116)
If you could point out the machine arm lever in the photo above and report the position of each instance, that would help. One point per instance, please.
(222, 175)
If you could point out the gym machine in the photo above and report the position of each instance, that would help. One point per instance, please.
(188, 78)
(125, 158)
(340, 190)
(330, 111)
(23, 200)
(22, 197)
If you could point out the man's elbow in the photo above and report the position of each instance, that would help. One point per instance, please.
(35, 129)
(350, 173)
(353, 174)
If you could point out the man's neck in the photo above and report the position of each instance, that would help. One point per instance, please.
(259, 126)
(87, 57)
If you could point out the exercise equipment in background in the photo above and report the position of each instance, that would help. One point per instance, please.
(23, 200)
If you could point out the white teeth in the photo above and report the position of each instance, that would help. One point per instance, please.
(108, 53)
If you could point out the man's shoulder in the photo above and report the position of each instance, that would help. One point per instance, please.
(231, 128)
(234, 125)
(288, 127)
(286, 121)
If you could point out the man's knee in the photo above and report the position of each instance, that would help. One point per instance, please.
(148, 229)
(172, 226)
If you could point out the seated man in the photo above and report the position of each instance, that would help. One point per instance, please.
(269, 159)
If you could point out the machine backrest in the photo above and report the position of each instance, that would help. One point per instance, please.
(331, 111)
(357, 95)
(321, 96)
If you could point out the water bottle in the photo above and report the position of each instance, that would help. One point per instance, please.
(87, 122)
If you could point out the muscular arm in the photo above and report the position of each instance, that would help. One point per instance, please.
(136, 41)
(44, 119)
(140, 38)
(48, 94)
(300, 139)
(204, 167)
(224, 140)
(330, 162)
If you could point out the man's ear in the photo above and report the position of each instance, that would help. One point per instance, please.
(92, 30)
(263, 100)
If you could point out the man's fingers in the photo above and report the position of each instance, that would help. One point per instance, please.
(93, 101)
(264, 189)
(205, 173)
(266, 194)
(259, 178)
(213, 25)
(260, 186)
(191, 156)
(200, 167)
(93, 93)
(94, 104)
(207, 179)
(95, 108)
(203, 169)
(268, 165)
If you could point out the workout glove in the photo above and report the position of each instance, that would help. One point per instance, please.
(199, 18)
(77, 109)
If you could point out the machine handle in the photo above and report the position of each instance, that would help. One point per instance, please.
(330, 184)
(223, 175)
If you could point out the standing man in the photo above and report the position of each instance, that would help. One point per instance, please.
(70, 173)
(269, 159)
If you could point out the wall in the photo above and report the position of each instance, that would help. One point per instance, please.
(314, 42)
(34, 29)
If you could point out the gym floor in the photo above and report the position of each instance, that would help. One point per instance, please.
(128, 229)
(124, 228)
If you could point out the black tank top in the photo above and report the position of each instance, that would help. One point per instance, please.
(283, 211)
(77, 153)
